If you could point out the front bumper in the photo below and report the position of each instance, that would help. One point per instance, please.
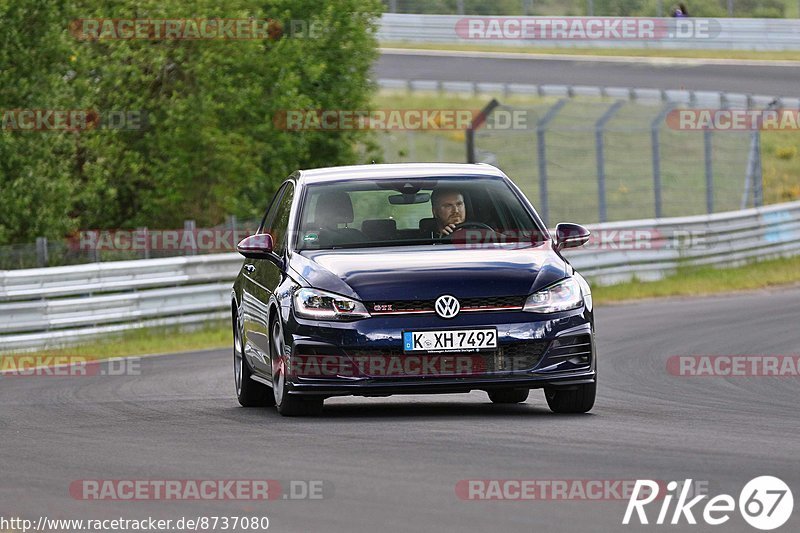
(534, 351)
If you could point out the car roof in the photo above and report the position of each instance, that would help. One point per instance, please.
(398, 170)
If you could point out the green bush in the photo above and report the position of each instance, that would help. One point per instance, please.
(208, 146)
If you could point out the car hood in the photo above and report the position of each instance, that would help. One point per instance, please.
(415, 273)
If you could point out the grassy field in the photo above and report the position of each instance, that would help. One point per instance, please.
(606, 52)
(705, 281)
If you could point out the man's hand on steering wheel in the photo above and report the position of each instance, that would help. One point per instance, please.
(448, 230)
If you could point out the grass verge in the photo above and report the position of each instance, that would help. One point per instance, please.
(703, 281)
(608, 52)
(143, 342)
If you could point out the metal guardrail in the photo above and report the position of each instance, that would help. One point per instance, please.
(711, 99)
(63, 305)
(728, 34)
(651, 249)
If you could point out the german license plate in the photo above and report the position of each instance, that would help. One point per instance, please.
(461, 340)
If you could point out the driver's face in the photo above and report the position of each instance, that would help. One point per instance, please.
(450, 209)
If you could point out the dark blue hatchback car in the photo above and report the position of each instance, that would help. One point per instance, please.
(409, 279)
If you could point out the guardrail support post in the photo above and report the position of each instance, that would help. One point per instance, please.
(709, 171)
(541, 145)
(601, 162)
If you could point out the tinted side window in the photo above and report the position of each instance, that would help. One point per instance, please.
(269, 216)
(279, 229)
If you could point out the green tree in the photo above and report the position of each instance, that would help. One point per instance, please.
(35, 185)
(209, 144)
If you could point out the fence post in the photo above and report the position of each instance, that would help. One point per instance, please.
(230, 221)
(41, 252)
(189, 228)
(541, 129)
(709, 171)
(758, 178)
(143, 231)
(600, 154)
(476, 123)
(655, 140)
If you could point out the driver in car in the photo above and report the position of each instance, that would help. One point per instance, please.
(448, 210)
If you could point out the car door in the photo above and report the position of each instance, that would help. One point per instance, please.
(267, 275)
(255, 299)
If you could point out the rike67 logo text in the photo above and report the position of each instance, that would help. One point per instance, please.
(765, 503)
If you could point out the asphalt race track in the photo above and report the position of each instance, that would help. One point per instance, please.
(392, 464)
(752, 78)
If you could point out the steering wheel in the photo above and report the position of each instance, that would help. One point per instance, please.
(468, 225)
(476, 225)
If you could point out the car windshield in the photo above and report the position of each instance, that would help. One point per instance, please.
(420, 211)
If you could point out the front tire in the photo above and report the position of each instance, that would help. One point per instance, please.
(508, 395)
(577, 400)
(288, 404)
(249, 393)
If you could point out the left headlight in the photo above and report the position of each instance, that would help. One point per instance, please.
(562, 296)
(323, 305)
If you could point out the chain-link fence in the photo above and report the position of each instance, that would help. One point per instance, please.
(599, 160)
(122, 244)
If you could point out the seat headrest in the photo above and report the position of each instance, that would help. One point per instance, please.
(333, 208)
(427, 225)
(380, 229)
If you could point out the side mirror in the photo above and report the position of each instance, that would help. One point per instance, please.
(256, 246)
(571, 236)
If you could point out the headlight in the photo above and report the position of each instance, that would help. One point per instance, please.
(562, 296)
(322, 305)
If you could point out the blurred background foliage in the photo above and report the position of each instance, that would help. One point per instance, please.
(207, 145)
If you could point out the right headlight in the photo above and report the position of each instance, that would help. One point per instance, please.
(562, 296)
(323, 305)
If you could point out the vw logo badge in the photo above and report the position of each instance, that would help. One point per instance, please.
(447, 306)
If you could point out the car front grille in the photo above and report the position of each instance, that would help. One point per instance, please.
(427, 306)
